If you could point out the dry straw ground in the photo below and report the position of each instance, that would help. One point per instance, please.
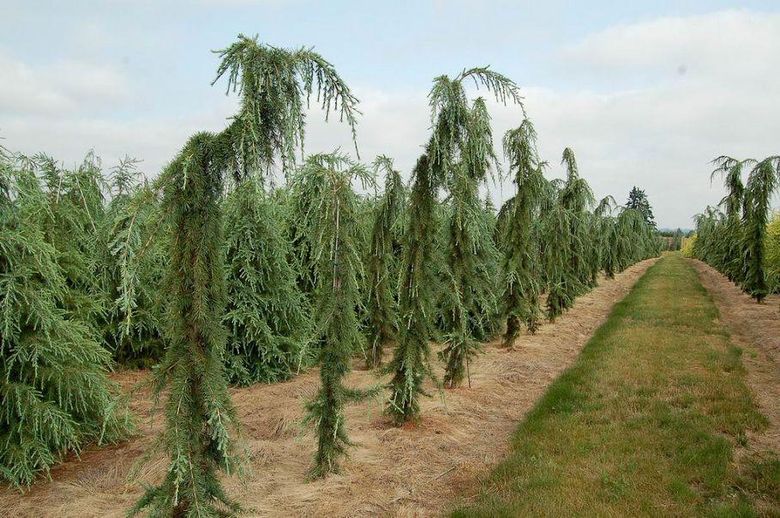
(756, 329)
(411, 471)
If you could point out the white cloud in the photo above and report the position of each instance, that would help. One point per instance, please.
(60, 87)
(154, 140)
(663, 135)
(393, 124)
(718, 45)
(658, 133)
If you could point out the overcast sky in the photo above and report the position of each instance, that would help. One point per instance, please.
(646, 93)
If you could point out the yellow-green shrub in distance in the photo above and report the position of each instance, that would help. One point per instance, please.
(687, 246)
(772, 252)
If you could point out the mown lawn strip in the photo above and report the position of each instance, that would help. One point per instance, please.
(646, 422)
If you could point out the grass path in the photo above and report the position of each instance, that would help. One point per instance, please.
(756, 329)
(646, 422)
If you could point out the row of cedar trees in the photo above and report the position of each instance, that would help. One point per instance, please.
(213, 276)
(734, 240)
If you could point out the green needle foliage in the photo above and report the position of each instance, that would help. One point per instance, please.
(562, 284)
(472, 251)
(333, 222)
(199, 413)
(521, 267)
(593, 248)
(450, 117)
(274, 85)
(608, 239)
(637, 200)
(267, 316)
(708, 228)
(637, 240)
(579, 243)
(55, 394)
(73, 226)
(772, 252)
(134, 269)
(730, 248)
(762, 182)
(302, 193)
(576, 198)
(567, 223)
(382, 287)
(734, 242)
(411, 360)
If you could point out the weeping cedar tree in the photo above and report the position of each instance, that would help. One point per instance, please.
(577, 198)
(302, 193)
(274, 85)
(382, 304)
(636, 240)
(762, 182)
(561, 283)
(53, 384)
(471, 250)
(333, 222)
(730, 249)
(706, 223)
(622, 240)
(733, 242)
(266, 315)
(521, 266)
(450, 115)
(568, 271)
(199, 414)
(606, 233)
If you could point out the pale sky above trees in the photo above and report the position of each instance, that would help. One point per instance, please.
(646, 93)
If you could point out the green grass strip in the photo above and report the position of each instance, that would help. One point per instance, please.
(646, 422)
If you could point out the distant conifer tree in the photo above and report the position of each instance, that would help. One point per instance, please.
(637, 200)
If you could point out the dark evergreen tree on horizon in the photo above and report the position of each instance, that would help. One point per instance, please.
(637, 200)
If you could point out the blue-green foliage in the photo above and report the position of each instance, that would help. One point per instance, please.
(267, 316)
(54, 389)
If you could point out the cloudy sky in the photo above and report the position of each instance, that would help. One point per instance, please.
(646, 93)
